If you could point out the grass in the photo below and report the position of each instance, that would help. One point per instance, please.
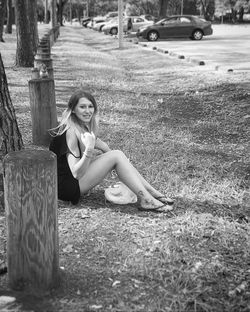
(186, 129)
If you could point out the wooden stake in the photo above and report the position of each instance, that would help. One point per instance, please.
(30, 191)
(43, 109)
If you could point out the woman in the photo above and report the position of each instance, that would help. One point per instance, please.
(79, 171)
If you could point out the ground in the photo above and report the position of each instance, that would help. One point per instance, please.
(186, 129)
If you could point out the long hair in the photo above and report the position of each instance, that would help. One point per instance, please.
(70, 120)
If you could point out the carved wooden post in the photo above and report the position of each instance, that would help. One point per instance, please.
(43, 109)
(30, 185)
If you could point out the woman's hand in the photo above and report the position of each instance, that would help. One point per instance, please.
(103, 146)
(88, 139)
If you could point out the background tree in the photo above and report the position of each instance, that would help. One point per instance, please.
(32, 19)
(60, 8)
(163, 8)
(8, 29)
(25, 39)
(2, 17)
(53, 8)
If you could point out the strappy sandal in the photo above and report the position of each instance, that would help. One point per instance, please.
(161, 209)
(165, 200)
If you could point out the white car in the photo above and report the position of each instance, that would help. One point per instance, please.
(96, 20)
(137, 22)
(98, 26)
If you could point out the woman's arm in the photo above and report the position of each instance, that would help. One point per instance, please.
(103, 146)
(77, 164)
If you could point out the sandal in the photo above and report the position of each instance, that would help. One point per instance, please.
(165, 200)
(163, 208)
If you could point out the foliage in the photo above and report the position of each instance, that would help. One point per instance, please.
(140, 7)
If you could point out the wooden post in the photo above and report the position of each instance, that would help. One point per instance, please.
(43, 109)
(30, 192)
(38, 61)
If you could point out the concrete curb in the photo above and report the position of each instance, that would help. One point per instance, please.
(189, 59)
(172, 53)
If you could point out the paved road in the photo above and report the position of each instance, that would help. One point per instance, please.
(228, 48)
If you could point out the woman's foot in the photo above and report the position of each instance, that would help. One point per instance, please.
(165, 200)
(152, 204)
(160, 209)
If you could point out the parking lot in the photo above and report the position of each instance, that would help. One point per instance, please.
(227, 49)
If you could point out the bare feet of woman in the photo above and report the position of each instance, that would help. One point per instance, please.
(154, 205)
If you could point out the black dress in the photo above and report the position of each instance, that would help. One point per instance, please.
(68, 186)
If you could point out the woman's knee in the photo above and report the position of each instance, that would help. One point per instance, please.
(118, 155)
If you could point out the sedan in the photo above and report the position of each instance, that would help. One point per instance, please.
(137, 22)
(176, 26)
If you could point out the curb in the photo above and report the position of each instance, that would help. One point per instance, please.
(172, 53)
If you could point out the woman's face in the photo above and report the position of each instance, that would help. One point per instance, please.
(84, 110)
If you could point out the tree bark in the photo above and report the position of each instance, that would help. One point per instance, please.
(10, 136)
(2, 17)
(163, 8)
(8, 29)
(32, 12)
(53, 13)
(24, 51)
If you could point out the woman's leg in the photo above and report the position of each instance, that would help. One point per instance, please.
(152, 190)
(101, 166)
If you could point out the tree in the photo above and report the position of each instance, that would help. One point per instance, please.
(10, 136)
(32, 13)
(60, 8)
(24, 51)
(53, 6)
(163, 8)
(8, 29)
(3, 4)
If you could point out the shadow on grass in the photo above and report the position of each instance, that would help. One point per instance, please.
(236, 213)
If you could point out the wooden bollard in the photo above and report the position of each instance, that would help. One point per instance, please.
(30, 191)
(43, 109)
(42, 55)
(43, 49)
(45, 42)
(38, 61)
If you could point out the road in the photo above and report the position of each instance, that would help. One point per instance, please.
(227, 49)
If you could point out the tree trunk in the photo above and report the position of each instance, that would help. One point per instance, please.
(10, 136)
(24, 52)
(53, 13)
(32, 13)
(163, 8)
(2, 17)
(8, 29)
(46, 12)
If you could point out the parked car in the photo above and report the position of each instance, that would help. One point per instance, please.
(85, 21)
(96, 20)
(149, 17)
(189, 26)
(137, 22)
(100, 25)
(111, 14)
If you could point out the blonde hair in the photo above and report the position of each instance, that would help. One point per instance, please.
(70, 120)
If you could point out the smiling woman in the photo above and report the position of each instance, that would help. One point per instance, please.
(79, 170)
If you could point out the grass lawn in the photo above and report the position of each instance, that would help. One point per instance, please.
(187, 130)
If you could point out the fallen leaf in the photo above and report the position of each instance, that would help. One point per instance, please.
(116, 283)
(68, 249)
(96, 307)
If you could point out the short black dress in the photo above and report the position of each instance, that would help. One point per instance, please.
(68, 186)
